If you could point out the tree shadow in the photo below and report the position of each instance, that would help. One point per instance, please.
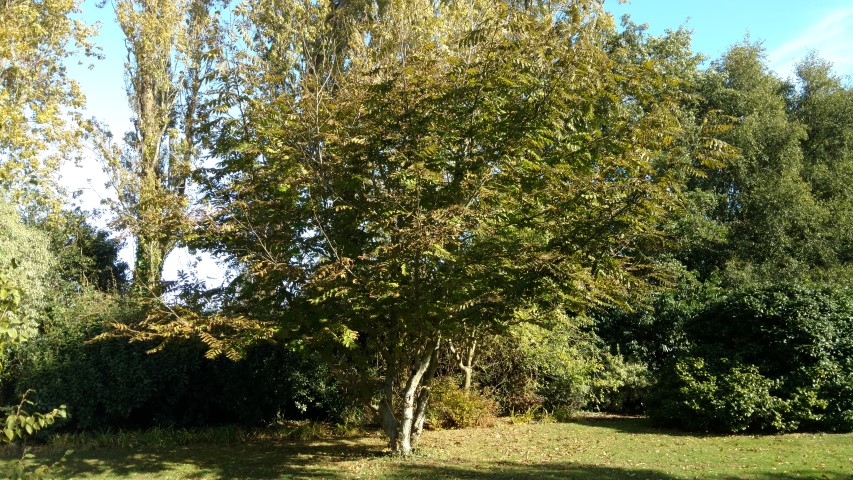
(356, 457)
(640, 426)
(256, 460)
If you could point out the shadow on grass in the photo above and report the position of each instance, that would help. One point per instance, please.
(640, 426)
(365, 457)
(277, 464)
(257, 460)
(346, 458)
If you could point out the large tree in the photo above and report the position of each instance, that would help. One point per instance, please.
(400, 173)
(169, 58)
(822, 103)
(781, 205)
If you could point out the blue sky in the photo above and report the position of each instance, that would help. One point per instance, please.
(789, 30)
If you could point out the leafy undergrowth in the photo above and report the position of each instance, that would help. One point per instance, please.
(590, 448)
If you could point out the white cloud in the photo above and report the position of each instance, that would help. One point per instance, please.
(832, 39)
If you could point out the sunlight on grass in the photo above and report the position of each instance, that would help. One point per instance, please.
(587, 449)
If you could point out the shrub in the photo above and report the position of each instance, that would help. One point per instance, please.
(728, 398)
(621, 386)
(537, 368)
(774, 358)
(113, 383)
(450, 406)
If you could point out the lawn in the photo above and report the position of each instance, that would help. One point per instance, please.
(591, 448)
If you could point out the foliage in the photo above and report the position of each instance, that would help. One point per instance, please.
(28, 250)
(20, 423)
(773, 358)
(169, 57)
(736, 345)
(40, 106)
(508, 375)
(455, 407)
(565, 367)
(653, 334)
(113, 383)
(621, 386)
(405, 172)
(565, 363)
(29, 468)
(730, 398)
(85, 254)
(823, 103)
(774, 210)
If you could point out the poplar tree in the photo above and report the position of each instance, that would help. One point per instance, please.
(170, 45)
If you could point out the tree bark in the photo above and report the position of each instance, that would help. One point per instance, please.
(423, 396)
(148, 264)
(466, 363)
(404, 433)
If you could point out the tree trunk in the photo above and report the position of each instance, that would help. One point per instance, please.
(386, 407)
(404, 433)
(466, 361)
(423, 397)
(148, 268)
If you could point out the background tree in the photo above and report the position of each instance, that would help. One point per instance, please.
(28, 249)
(86, 255)
(822, 103)
(761, 215)
(762, 248)
(169, 54)
(39, 105)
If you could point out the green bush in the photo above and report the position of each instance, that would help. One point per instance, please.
(620, 386)
(774, 358)
(508, 374)
(538, 368)
(564, 368)
(113, 383)
(450, 406)
(728, 398)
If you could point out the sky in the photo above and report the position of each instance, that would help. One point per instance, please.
(788, 29)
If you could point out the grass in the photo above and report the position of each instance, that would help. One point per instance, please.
(591, 448)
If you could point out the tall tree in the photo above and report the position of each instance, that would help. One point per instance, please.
(169, 55)
(824, 105)
(778, 204)
(30, 265)
(39, 104)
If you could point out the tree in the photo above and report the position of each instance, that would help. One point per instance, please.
(775, 208)
(23, 263)
(169, 55)
(39, 104)
(398, 178)
(824, 106)
(764, 248)
(85, 254)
